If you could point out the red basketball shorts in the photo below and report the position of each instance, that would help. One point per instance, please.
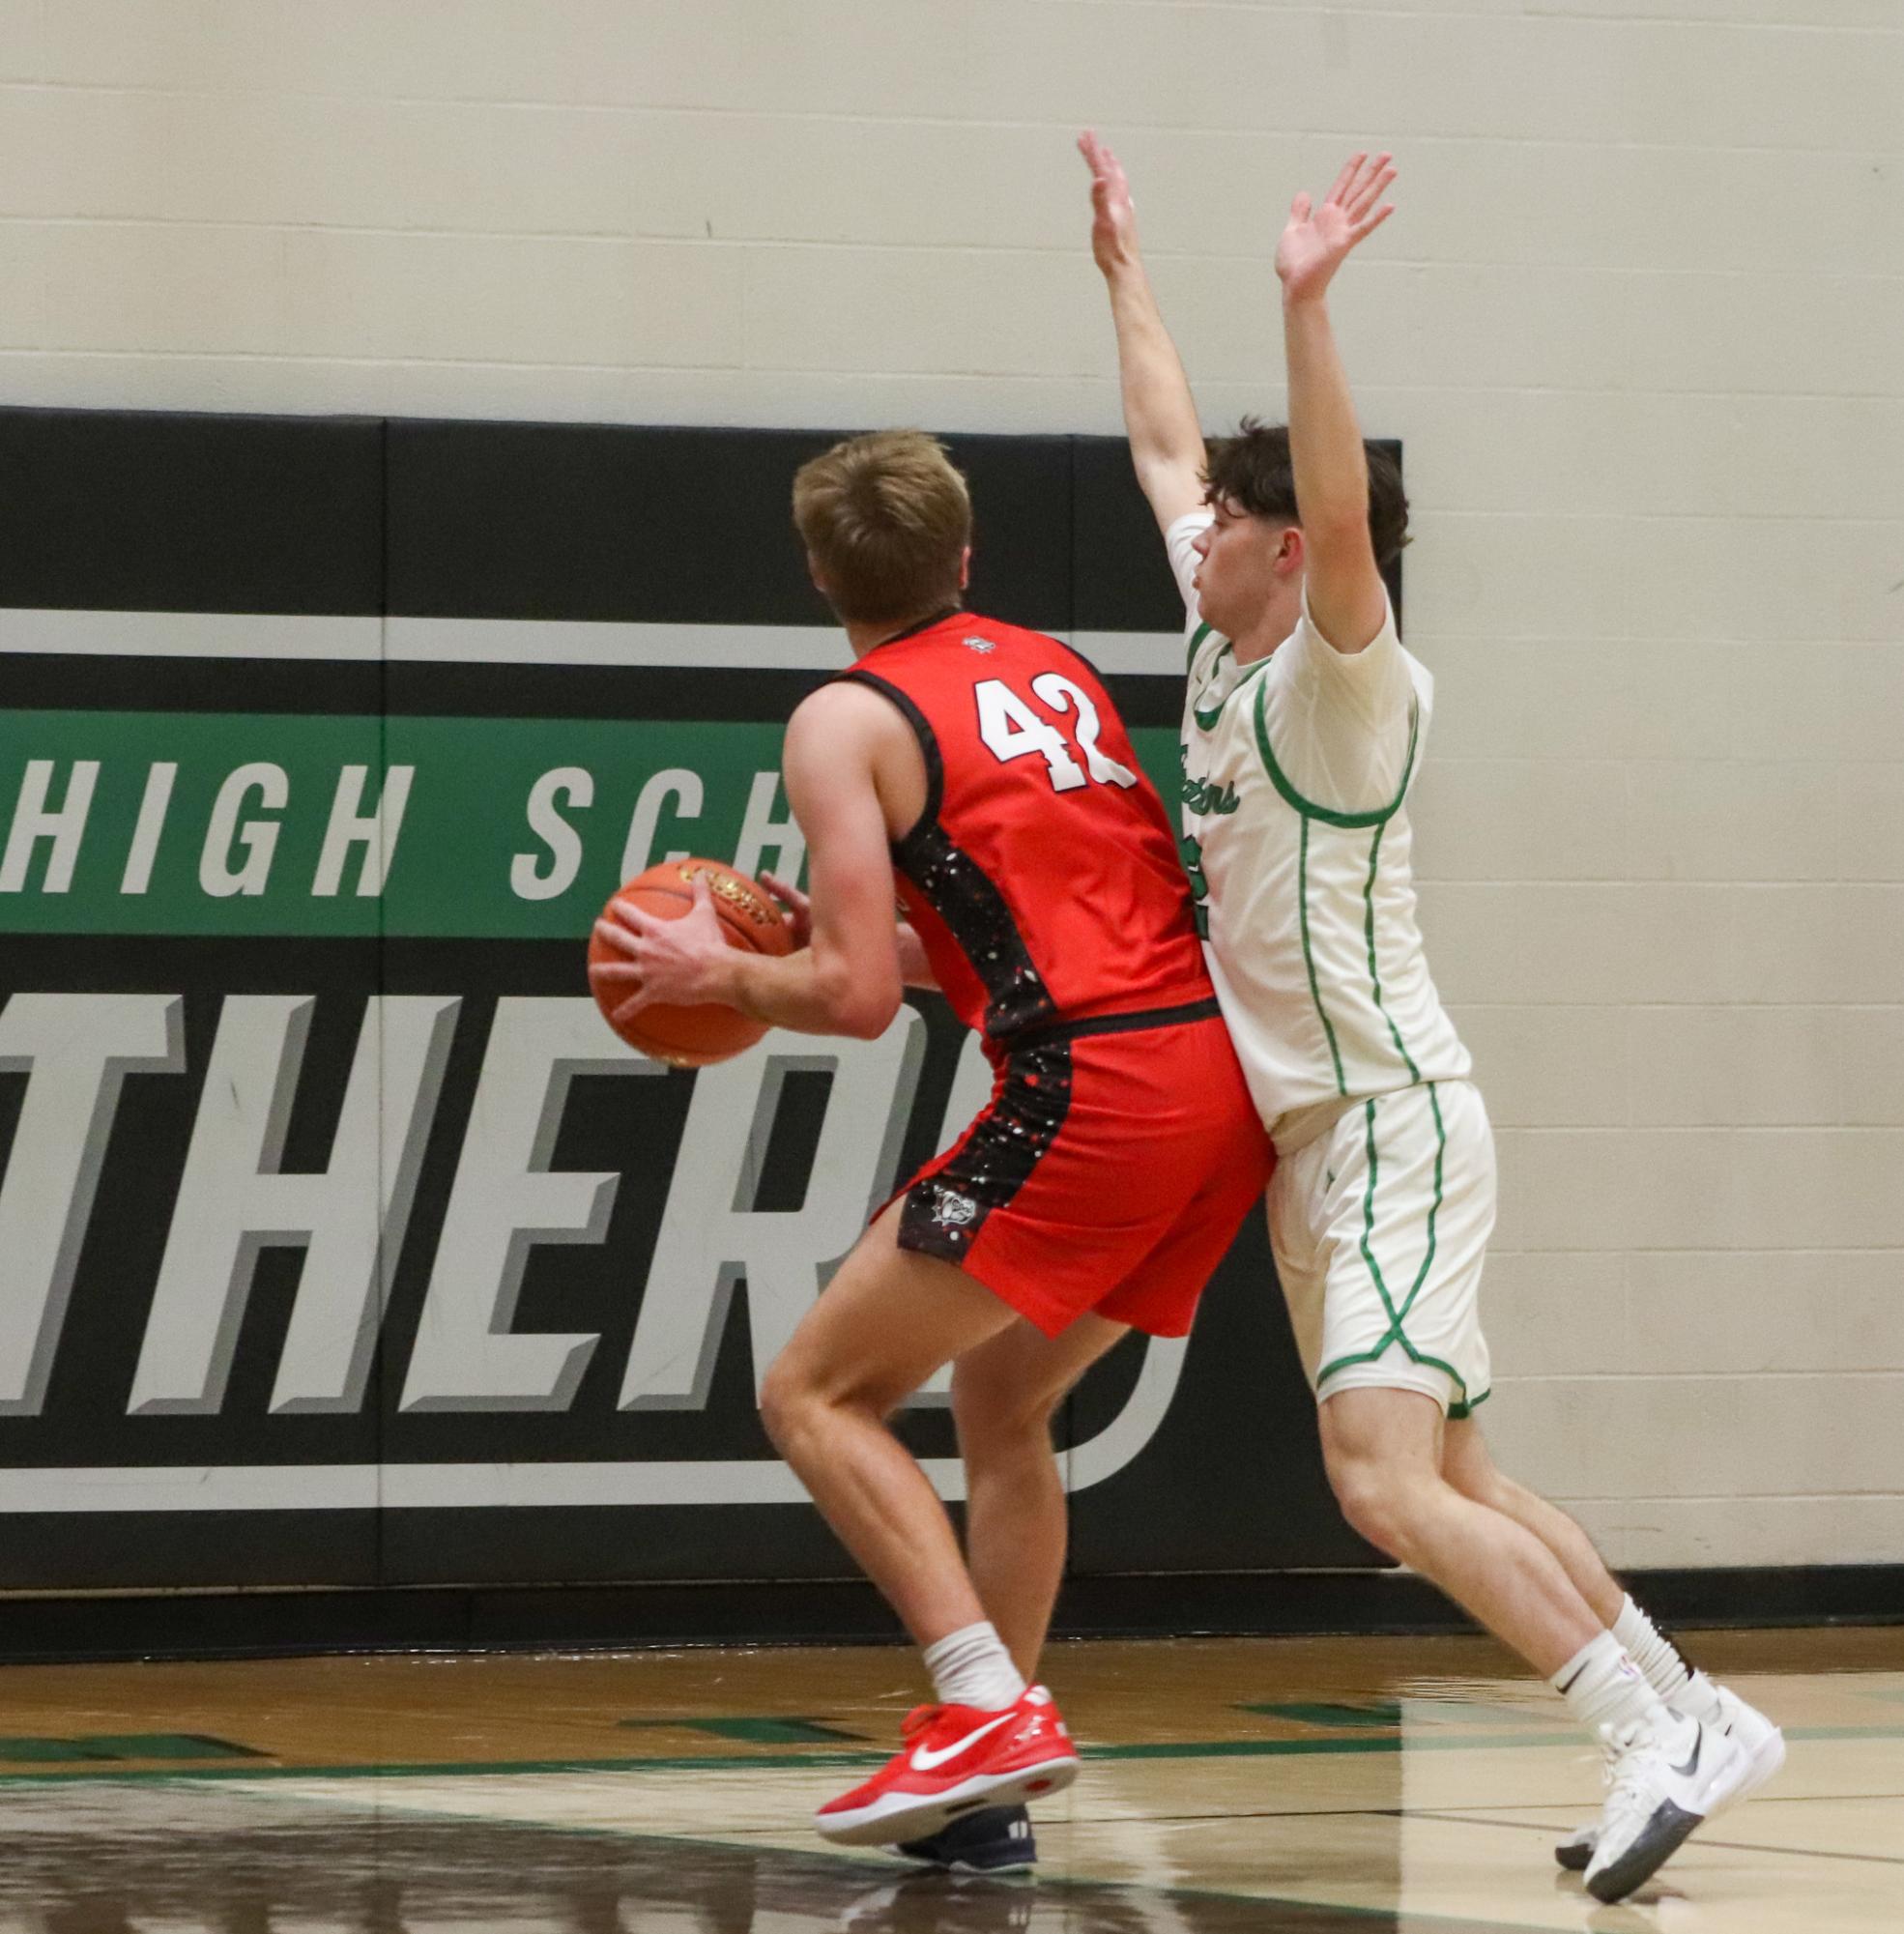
(1110, 1172)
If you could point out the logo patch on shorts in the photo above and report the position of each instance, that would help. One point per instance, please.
(980, 643)
(955, 1211)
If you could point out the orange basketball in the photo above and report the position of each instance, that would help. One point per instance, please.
(693, 1037)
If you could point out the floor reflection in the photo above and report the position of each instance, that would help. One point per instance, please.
(113, 1859)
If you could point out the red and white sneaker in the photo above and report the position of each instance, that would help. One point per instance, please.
(956, 1758)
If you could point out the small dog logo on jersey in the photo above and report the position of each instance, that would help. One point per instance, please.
(955, 1211)
(980, 643)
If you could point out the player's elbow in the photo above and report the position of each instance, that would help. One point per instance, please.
(865, 1020)
(868, 1018)
(862, 1002)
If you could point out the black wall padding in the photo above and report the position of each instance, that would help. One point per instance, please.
(676, 525)
(131, 512)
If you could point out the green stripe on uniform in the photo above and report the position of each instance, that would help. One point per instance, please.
(1435, 1210)
(1207, 719)
(1375, 971)
(1395, 1333)
(1308, 808)
(1368, 1229)
(1308, 959)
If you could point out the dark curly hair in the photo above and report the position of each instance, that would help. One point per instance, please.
(1253, 470)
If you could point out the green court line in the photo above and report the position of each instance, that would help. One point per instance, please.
(767, 1762)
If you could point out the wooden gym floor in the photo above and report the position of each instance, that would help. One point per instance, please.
(1301, 1785)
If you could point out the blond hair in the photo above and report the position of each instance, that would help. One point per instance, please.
(887, 520)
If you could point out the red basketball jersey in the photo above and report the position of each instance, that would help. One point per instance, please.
(1042, 876)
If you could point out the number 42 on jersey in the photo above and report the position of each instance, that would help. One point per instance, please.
(1012, 729)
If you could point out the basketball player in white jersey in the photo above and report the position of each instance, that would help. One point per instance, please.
(1303, 730)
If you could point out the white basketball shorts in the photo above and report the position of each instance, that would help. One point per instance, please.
(1380, 1227)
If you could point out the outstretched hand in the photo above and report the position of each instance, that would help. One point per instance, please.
(670, 960)
(1113, 217)
(1317, 241)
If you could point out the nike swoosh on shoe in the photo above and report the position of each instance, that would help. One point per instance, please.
(925, 1759)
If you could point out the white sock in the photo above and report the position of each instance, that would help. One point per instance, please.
(1603, 1688)
(1666, 1672)
(971, 1667)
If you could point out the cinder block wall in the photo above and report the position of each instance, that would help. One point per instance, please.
(1638, 322)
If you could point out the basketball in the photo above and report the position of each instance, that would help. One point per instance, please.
(694, 1037)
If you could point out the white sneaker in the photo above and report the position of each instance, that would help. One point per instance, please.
(1664, 1779)
(1760, 1740)
(1763, 1741)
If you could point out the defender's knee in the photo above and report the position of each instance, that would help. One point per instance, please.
(1379, 1502)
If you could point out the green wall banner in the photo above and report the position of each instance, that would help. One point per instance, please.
(275, 824)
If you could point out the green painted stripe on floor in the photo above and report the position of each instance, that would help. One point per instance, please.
(121, 1746)
(1374, 1713)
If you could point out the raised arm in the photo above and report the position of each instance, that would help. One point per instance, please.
(1160, 414)
(1346, 598)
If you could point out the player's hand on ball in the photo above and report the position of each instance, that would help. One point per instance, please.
(798, 909)
(664, 956)
(1316, 241)
(610, 979)
(674, 960)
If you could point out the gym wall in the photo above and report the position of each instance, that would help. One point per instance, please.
(1636, 323)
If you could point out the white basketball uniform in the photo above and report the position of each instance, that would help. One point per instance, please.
(1296, 775)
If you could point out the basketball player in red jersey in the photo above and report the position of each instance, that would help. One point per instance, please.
(987, 769)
